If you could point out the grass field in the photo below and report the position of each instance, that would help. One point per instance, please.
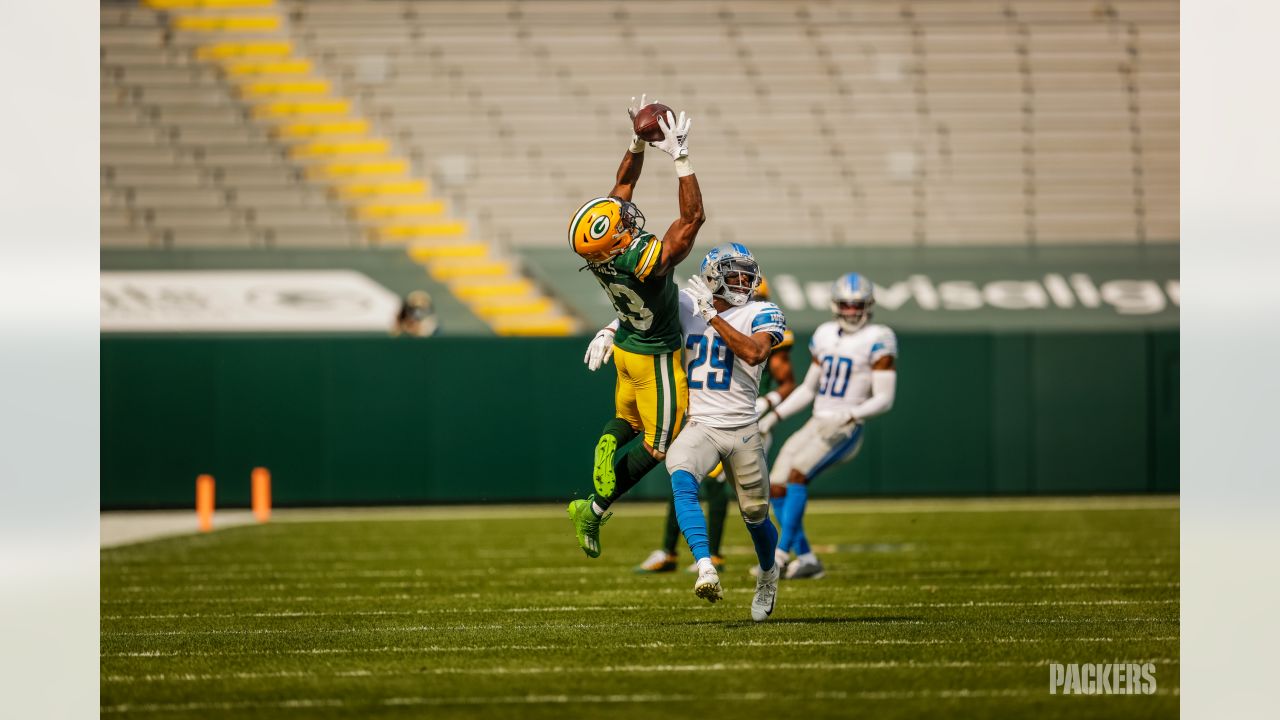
(929, 608)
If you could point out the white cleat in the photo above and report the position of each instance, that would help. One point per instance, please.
(707, 586)
(766, 594)
(806, 569)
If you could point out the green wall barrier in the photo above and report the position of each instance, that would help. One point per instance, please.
(347, 421)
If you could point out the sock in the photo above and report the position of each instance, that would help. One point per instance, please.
(765, 537)
(628, 471)
(717, 496)
(684, 492)
(672, 532)
(801, 541)
(620, 430)
(595, 508)
(793, 514)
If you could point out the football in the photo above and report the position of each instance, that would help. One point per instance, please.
(646, 122)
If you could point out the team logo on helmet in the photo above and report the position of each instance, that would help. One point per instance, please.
(731, 272)
(604, 227)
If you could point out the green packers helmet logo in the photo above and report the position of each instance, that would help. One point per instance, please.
(599, 227)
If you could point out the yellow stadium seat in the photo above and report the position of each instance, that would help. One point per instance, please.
(394, 188)
(391, 168)
(389, 211)
(538, 325)
(472, 288)
(300, 130)
(240, 68)
(427, 253)
(408, 231)
(450, 269)
(227, 23)
(206, 4)
(269, 88)
(222, 51)
(372, 146)
(287, 108)
(516, 307)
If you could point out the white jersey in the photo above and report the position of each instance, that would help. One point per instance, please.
(722, 388)
(846, 359)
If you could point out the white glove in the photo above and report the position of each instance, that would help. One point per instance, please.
(767, 422)
(762, 404)
(675, 136)
(637, 145)
(600, 351)
(700, 293)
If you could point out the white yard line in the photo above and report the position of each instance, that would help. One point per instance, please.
(629, 592)
(126, 527)
(626, 646)
(839, 695)
(630, 608)
(560, 669)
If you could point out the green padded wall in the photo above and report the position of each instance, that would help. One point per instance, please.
(353, 420)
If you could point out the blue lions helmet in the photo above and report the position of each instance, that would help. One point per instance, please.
(731, 272)
(853, 297)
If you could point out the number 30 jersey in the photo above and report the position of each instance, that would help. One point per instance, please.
(846, 359)
(722, 388)
(646, 304)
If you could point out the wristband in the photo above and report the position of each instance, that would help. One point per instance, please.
(683, 167)
(773, 398)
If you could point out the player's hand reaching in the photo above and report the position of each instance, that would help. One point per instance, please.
(634, 107)
(600, 351)
(700, 292)
(767, 421)
(637, 144)
(675, 132)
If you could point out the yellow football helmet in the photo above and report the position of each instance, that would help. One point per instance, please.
(762, 290)
(604, 227)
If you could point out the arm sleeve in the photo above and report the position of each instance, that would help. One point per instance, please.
(804, 393)
(883, 385)
(770, 320)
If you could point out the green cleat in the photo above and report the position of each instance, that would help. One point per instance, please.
(587, 525)
(602, 474)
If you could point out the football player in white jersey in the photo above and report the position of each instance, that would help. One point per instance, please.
(728, 338)
(852, 379)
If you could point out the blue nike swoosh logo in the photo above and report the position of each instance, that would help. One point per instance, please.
(747, 438)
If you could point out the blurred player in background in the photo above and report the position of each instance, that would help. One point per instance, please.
(634, 268)
(728, 336)
(852, 379)
(417, 316)
(775, 385)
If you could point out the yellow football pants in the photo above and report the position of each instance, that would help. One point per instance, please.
(652, 394)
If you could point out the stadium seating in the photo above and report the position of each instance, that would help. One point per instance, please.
(483, 124)
(948, 121)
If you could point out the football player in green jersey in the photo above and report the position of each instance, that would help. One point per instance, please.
(651, 395)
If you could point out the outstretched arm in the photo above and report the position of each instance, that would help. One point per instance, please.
(678, 240)
(633, 162)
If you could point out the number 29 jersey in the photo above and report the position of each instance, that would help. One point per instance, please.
(646, 304)
(722, 387)
(846, 359)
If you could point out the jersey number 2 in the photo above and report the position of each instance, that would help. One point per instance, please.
(721, 358)
(630, 307)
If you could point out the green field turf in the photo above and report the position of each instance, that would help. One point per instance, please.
(929, 609)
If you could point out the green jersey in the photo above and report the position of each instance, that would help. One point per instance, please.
(767, 382)
(648, 305)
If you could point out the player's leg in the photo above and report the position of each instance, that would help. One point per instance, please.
(715, 491)
(661, 401)
(748, 470)
(792, 452)
(690, 457)
(841, 445)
